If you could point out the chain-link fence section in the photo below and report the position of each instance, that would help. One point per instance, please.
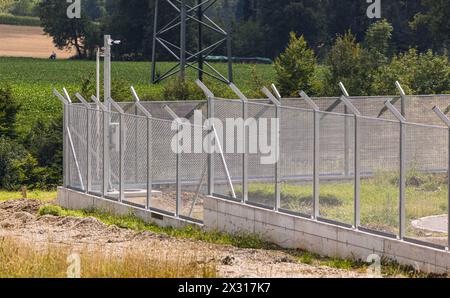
(426, 196)
(354, 161)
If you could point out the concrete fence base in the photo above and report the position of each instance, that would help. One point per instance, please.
(317, 237)
(75, 200)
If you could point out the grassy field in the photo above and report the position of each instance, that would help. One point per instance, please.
(33, 80)
(44, 196)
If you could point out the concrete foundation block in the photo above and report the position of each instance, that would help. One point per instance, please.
(360, 239)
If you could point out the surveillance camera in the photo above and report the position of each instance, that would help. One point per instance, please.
(117, 42)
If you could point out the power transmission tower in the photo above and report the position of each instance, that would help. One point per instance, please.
(193, 11)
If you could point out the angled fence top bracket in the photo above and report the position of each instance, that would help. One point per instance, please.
(82, 100)
(400, 88)
(350, 105)
(138, 104)
(309, 101)
(205, 89)
(60, 97)
(276, 92)
(238, 92)
(441, 115)
(343, 89)
(98, 103)
(66, 94)
(272, 98)
(172, 114)
(394, 111)
(116, 105)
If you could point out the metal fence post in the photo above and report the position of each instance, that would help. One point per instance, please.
(277, 103)
(211, 108)
(356, 162)
(149, 162)
(88, 142)
(346, 134)
(357, 157)
(446, 120)
(178, 173)
(316, 155)
(211, 176)
(402, 202)
(105, 159)
(122, 157)
(244, 101)
(149, 144)
(402, 98)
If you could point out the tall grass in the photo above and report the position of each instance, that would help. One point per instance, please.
(22, 260)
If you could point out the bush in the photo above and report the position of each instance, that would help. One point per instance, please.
(45, 142)
(177, 90)
(51, 210)
(425, 73)
(8, 111)
(295, 67)
(345, 65)
(18, 167)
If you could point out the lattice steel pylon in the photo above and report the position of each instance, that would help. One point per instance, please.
(195, 11)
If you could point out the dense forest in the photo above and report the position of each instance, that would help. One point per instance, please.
(260, 27)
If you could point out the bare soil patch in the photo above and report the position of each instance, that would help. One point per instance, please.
(26, 41)
(19, 219)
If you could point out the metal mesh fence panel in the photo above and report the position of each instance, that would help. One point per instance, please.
(135, 159)
(426, 201)
(336, 167)
(163, 166)
(380, 171)
(183, 109)
(261, 143)
(78, 153)
(194, 175)
(112, 155)
(96, 150)
(229, 110)
(419, 108)
(296, 159)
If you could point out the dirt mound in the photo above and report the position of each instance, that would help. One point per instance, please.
(26, 205)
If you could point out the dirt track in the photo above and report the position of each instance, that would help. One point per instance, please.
(19, 219)
(26, 41)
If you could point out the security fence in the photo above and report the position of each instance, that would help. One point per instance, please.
(377, 164)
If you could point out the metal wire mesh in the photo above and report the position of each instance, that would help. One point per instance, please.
(296, 159)
(426, 160)
(223, 110)
(336, 166)
(261, 172)
(194, 176)
(164, 166)
(78, 153)
(380, 164)
(96, 151)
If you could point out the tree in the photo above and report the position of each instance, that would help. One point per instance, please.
(378, 37)
(8, 111)
(345, 65)
(425, 73)
(83, 33)
(295, 67)
(436, 22)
